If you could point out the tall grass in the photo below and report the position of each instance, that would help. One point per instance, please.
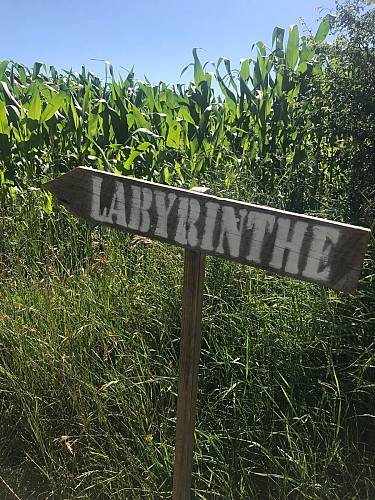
(90, 324)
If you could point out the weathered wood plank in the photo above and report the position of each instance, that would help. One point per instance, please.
(191, 322)
(300, 246)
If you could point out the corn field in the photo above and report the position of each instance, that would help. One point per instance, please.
(257, 125)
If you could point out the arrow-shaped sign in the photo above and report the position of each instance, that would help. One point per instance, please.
(299, 246)
(303, 247)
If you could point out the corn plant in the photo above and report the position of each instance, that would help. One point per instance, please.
(257, 126)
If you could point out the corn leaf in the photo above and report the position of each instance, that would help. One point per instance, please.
(278, 37)
(324, 28)
(292, 48)
(3, 67)
(4, 126)
(198, 70)
(35, 108)
(51, 108)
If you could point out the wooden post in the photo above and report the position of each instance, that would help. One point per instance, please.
(299, 246)
(188, 372)
(191, 322)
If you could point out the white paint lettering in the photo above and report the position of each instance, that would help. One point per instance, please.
(116, 213)
(96, 214)
(293, 243)
(324, 240)
(140, 209)
(260, 224)
(231, 227)
(187, 216)
(164, 204)
(209, 226)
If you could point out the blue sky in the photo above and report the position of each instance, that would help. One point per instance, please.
(156, 36)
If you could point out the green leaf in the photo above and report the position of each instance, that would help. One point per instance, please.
(184, 114)
(230, 97)
(35, 108)
(245, 69)
(144, 146)
(4, 126)
(278, 36)
(262, 60)
(306, 53)
(166, 175)
(324, 28)
(74, 113)
(245, 90)
(229, 71)
(47, 206)
(198, 70)
(109, 67)
(140, 120)
(186, 68)
(173, 138)
(87, 99)
(3, 67)
(132, 157)
(53, 106)
(146, 131)
(292, 48)
(36, 69)
(261, 48)
(9, 97)
(92, 125)
(279, 85)
(302, 67)
(22, 73)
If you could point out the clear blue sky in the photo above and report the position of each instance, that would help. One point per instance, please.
(156, 36)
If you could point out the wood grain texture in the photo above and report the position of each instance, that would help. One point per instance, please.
(191, 322)
(188, 372)
(299, 246)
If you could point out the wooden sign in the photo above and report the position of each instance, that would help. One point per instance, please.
(302, 247)
(299, 246)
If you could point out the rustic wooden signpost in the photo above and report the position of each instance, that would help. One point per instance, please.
(307, 248)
